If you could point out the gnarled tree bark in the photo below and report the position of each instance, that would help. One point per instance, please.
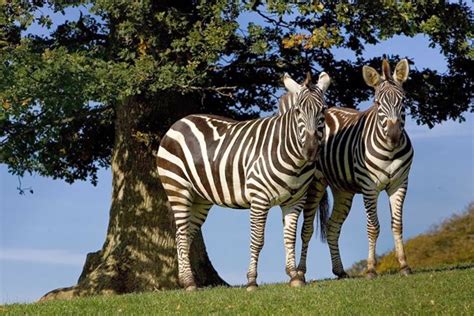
(139, 253)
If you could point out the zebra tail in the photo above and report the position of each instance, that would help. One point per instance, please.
(323, 215)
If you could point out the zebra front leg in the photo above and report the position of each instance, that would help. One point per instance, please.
(315, 193)
(397, 197)
(258, 218)
(373, 230)
(341, 208)
(290, 223)
(306, 234)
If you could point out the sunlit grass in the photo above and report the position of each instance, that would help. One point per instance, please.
(446, 292)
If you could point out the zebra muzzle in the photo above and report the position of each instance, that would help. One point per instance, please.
(394, 131)
(310, 147)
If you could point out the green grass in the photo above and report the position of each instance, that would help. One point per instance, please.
(433, 292)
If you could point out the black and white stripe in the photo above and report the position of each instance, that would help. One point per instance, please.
(205, 160)
(363, 152)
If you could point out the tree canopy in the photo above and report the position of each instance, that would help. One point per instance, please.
(59, 89)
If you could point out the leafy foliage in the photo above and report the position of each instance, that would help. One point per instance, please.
(59, 89)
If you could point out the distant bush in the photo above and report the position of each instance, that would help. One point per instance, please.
(450, 243)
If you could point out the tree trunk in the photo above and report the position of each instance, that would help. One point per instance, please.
(139, 253)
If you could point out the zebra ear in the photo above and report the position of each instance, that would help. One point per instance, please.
(307, 81)
(324, 81)
(371, 76)
(401, 71)
(290, 84)
(386, 72)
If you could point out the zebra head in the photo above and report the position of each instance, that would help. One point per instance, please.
(389, 96)
(309, 108)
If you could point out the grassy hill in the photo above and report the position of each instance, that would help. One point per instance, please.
(449, 243)
(445, 292)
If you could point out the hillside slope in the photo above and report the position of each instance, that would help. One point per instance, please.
(450, 243)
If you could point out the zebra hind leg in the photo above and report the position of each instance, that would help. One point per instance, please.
(290, 222)
(182, 199)
(200, 209)
(182, 216)
(341, 208)
(258, 218)
(198, 214)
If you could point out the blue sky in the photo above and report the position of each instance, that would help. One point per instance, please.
(45, 236)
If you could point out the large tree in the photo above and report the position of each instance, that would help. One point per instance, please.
(100, 89)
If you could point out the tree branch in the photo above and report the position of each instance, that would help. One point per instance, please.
(278, 23)
(224, 91)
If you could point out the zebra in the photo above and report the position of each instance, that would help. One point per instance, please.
(206, 159)
(362, 152)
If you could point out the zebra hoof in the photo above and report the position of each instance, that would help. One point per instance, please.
(343, 276)
(252, 287)
(297, 282)
(191, 288)
(371, 275)
(406, 271)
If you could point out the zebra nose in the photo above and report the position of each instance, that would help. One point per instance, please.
(393, 121)
(394, 131)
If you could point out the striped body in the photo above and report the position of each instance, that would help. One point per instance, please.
(354, 157)
(226, 163)
(205, 160)
(362, 152)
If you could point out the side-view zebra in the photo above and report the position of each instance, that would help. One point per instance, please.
(205, 160)
(363, 152)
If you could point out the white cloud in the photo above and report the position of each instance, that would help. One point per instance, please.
(50, 256)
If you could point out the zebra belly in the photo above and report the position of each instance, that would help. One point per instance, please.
(284, 197)
(287, 190)
(234, 197)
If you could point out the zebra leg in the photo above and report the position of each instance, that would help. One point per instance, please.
(182, 198)
(341, 208)
(258, 218)
(313, 197)
(200, 209)
(182, 207)
(397, 197)
(290, 223)
(373, 230)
